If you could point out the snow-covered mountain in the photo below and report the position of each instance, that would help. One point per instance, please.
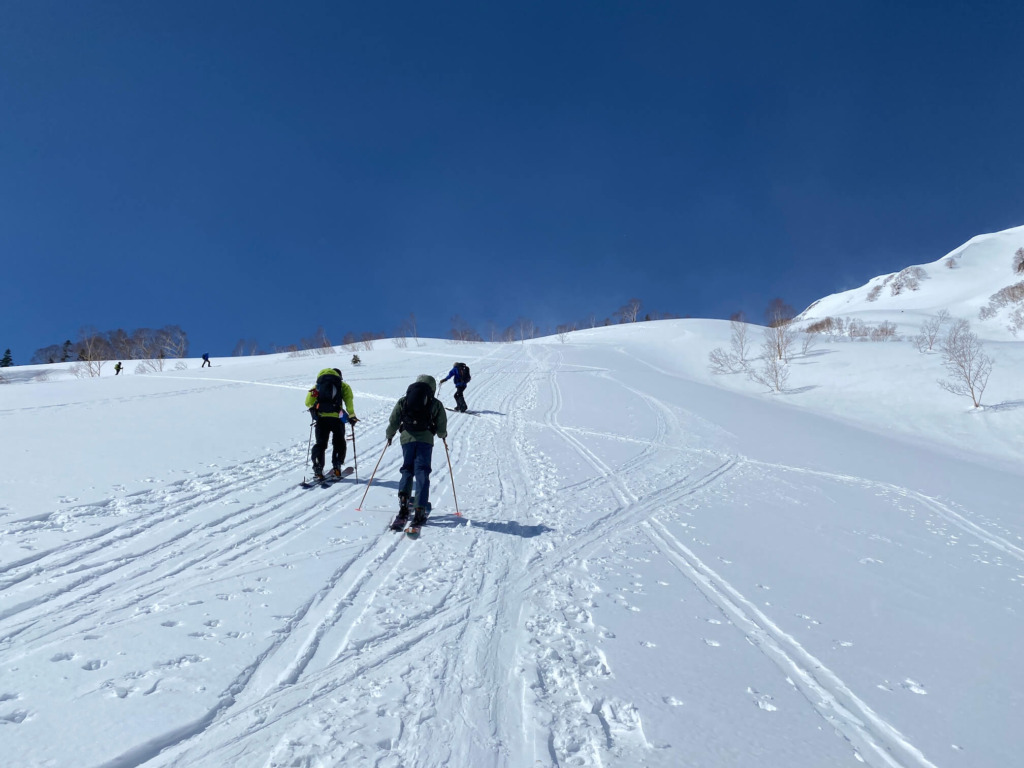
(964, 282)
(653, 566)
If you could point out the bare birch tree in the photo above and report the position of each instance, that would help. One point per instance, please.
(779, 313)
(172, 341)
(779, 339)
(966, 363)
(628, 312)
(527, 328)
(93, 351)
(773, 373)
(736, 359)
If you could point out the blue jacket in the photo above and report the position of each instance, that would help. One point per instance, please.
(454, 374)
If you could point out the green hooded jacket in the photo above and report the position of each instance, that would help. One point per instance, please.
(423, 436)
(346, 396)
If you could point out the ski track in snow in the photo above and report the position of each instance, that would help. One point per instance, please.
(475, 645)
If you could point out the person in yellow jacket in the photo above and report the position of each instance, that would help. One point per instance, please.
(330, 404)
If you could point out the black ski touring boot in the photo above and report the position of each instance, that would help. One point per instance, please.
(403, 513)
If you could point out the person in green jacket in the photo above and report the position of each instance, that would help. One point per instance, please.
(419, 416)
(330, 404)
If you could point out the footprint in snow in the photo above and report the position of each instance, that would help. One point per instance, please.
(914, 687)
(763, 700)
(712, 643)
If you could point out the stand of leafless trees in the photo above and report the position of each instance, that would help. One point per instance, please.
(94, 348)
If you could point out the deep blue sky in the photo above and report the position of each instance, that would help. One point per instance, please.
(250, 169)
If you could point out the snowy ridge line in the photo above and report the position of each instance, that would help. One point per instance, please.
(944, 511)
(870, 734)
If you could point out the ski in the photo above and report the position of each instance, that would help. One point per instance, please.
(400, 524)
(413, 531)
(327, 481)
(456, 410)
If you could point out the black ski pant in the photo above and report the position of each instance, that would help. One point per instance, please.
(325, 427)
(460, 398)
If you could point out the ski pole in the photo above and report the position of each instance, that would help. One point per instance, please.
(307, 450)
(368, 482)
(452, 476)
(355, 456)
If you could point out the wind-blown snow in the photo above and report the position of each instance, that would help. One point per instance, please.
(653, 566)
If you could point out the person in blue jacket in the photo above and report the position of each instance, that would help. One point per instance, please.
(460, 374)
(206, 360)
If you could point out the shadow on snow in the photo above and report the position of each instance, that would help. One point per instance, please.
(510, 528)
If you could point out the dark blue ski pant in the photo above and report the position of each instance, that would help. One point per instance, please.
(416, 466)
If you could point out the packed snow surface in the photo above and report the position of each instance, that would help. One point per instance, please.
(652, 566)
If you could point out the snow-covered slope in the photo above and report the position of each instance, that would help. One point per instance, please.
(962, 282)
(653, 566)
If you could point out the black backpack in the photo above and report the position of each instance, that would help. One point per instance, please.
(418, 409)
(463, 370)
(328, 398)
